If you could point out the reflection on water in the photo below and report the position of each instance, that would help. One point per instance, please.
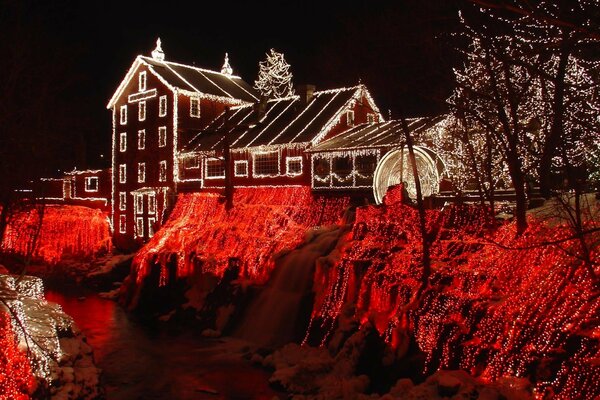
(141, 362)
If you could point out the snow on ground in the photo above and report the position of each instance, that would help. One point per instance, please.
(61, 359)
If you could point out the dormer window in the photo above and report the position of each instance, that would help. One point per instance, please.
(123, 115)
(162, 106)
(195, 107)
(371, 118)
(142, 81)
(350, 118)
(141, 110)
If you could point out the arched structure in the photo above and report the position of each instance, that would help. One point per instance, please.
(395, 168)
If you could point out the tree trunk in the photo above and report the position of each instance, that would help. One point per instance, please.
(518, 180)
(4, 219)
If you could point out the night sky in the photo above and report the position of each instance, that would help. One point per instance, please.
(400, 49)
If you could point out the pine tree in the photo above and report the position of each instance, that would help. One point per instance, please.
(274, 77)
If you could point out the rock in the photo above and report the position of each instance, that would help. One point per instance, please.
(448, 385)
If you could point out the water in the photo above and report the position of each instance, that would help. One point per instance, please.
(141, 362)
(275, 317)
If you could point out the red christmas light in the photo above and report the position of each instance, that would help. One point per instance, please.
(16, 379)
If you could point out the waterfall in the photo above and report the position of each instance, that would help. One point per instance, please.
(272, 318)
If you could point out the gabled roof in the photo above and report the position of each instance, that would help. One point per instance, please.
(284, 121)
(384, 134)
(192, 81)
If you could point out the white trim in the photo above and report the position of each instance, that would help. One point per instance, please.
(141, 139)
(162, 136)
(206, 162)
(240, 162)
(162, 171)
(88, 180)
(142, 81)
(287, 165)
(196, 113)
(135, 97)
(151, 222)
(122, 223)
(123, 173)
(350, 118)
(255, 174)
(141, 172)
(142, 110)
(152, 204)
(162, 106)
(122, 201)
(139, 203)
(123, 114)
(123, 142)
(139, 221)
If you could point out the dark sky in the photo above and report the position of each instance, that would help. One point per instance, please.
(399, 49)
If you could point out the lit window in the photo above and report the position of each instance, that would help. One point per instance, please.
(139, 225)
(195, 107)
(162, 136)
(123, 141)
(139, 203)
(215, 168)
(293, 166)
(151, 222)
(122, 226)
(123, 115)
(141, 172)
(265, 164)
(122, 201)
(91, 183)
(142, 81)
(191, 162)
(162, 171)
(151, 203)
(141, 139)
(371, 118)
(240, 168)
(350, 118)
(162, 106)
(122, 173)
(142, 111)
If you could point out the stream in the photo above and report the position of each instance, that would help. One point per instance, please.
(145, 362)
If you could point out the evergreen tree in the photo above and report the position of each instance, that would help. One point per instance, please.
(274, 77)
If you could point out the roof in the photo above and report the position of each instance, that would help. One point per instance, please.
(192, 80)
(284, 121)
(384, 134)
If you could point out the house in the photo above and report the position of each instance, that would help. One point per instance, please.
(179, 128)
(91, 188)
(155, 110)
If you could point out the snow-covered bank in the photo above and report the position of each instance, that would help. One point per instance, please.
(59, 357)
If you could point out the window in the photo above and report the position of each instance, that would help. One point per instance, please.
(162, 106)
(162, 136)
(141, 172)
(240, 168)
(142, 111)
(139, 226)
(122, 141)
(194, 107)
(122, 227)
(122, 201)
(91, 183)
(122, 173)
(191, 162)
(350, 118)
(162, 171)
(123, 115)
(141, 139)
(151, 203)
(139, 203)
(151, 222)
(371, 118)
(293, 166)
(265, 164)
(215, 168)
(142, 81)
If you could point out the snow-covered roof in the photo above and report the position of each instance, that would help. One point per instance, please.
(283, 121)
(383, 134)
(191, 80)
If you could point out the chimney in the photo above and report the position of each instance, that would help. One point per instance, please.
(305, 92)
